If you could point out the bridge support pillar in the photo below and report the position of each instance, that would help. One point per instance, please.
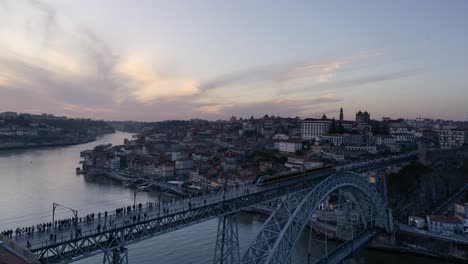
(227, 241)
(116, 256)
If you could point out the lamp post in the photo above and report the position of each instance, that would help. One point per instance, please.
(55, 205)
(135, 191)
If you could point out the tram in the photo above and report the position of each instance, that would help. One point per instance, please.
(284, 176)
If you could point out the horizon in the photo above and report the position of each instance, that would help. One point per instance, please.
(122, 60)
(241, 117)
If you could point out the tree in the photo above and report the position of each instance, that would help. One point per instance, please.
(333, 127)
(340, 128)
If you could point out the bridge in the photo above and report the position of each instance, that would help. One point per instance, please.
(299, 199)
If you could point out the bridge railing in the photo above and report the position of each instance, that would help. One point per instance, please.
(17, 249)
(63, 236)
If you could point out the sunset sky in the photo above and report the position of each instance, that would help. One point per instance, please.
(156, 60)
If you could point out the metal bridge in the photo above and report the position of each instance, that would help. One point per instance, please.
(299, 200)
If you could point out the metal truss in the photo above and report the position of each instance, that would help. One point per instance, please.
(89, 245)
(283, 223)
(227, 241)
(280, 232)
(341, 253)
(116, 256)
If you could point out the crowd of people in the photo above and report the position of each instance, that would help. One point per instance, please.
(131, 214)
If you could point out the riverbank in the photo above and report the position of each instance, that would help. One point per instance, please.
(30, 145)
(380, 247)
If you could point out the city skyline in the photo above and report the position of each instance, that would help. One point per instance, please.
(153, 61)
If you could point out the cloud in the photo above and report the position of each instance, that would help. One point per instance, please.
(369, 79)
(48, 23)
(78, 73)
(281, 73)
(310, 71)
(145, 85)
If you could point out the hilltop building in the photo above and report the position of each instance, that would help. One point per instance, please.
(362, 117)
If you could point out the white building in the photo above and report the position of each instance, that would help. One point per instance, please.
(334, 139)
(115, 163)
(313, 128)
(402, 133)
(289, 146)
(281, 136)
(447, 225)
(449, 138)
(369, 149)
(461, 212)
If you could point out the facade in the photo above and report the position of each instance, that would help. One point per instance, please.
(115, 163)
(167, 170)
(334, 139)
(461, 212)
(370, 149)
(8, 115)
(353, 140)
(183, 167)
(362, 117)
(447, 225)
(402, 133)
(289, 146)
(314, 128)
(449, 138)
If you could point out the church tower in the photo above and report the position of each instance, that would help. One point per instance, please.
(341, 114)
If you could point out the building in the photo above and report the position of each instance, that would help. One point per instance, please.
(183, 167)
(8, 115)
(447, 225)
(450, 138)
(461, 212)
(341, 114)
(369, 149)
(401, 132)
(167, 170)
(353, 140)
(313, 128)
(114, 163)
(334, 139)
(362, 117)
(289, 146)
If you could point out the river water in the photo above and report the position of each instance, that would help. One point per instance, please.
(32, 179)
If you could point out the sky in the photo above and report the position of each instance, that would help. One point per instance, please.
(154, 60)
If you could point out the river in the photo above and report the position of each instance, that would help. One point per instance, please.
(32, 179)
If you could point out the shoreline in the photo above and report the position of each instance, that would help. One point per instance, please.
(42, 145)
(413, 252)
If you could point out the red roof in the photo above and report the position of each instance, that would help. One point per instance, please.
(444, 219)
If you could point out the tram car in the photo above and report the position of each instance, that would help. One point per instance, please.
(288, 175)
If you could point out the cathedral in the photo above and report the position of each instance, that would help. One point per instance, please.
(362, 117)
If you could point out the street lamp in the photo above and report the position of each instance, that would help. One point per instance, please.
(159, 201)
(55, 205)
(135, 191)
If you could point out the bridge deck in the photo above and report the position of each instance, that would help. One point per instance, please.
(169, 216)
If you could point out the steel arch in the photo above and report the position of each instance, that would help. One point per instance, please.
(280, 232)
